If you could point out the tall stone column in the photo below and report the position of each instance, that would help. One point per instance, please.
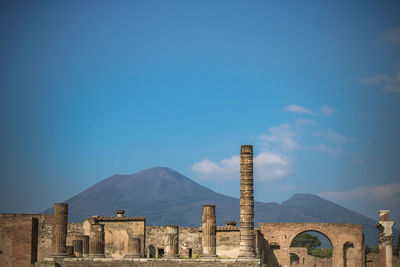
(172, 242)
(85, 244)
(78, 247)
(385, 239)
(60, 230)
(133, 248)
(247, 238)
(209, 231)
(96, 240)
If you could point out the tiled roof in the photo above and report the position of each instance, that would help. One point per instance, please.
(228, 228)
(115, 218)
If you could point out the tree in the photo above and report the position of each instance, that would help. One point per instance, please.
(306, 240)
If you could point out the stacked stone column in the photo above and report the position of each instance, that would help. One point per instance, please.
(385, 239)
(96, 240)
(133, 248)
(209, 231)
(171, 242)
(60, 230)
(247, 238)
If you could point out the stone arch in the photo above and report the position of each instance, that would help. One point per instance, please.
(337, 234)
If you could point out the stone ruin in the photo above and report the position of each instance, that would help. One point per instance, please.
(49, 240)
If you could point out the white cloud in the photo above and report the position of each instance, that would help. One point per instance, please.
(392, 35)
(271, 163)
(281, 135)
(328, 149)
(297, 109)
(267, 166)
(370, 193)
(336, 137)
(327, 110)
(386, 82)
(305, 122)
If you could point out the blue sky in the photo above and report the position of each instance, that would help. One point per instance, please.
(95, 88)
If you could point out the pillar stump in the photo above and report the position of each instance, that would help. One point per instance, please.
(247, 237)
(96, 241)
(172, 242)
(60, 230)
(209, 231)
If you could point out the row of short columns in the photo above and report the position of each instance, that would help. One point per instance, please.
(83, 245)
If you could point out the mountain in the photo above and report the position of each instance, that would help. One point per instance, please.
(165, 196)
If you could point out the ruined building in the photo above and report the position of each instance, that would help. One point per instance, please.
(49, 240)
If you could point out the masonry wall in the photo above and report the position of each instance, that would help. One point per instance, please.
(73, 230)
(45, 235)
(189, 238)
(117, 233)
(373, 260)
(228, 243)
(154, 263)
(18, 240)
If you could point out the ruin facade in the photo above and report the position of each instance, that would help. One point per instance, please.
(48, 240)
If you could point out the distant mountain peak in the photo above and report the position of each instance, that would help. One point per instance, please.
(301, 199)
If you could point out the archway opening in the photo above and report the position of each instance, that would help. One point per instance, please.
(312, 248)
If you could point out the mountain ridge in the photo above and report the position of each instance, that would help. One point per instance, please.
(165, 196)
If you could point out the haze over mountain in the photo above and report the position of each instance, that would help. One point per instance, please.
(165, 196)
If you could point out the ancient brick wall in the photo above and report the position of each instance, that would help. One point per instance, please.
(45, 235)
(18, 240)
(373, 260)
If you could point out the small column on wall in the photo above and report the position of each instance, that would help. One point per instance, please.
(60, 230)
(96, 241)
(133, 248)
(172, 242)
(385, 239)
(209, 231)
